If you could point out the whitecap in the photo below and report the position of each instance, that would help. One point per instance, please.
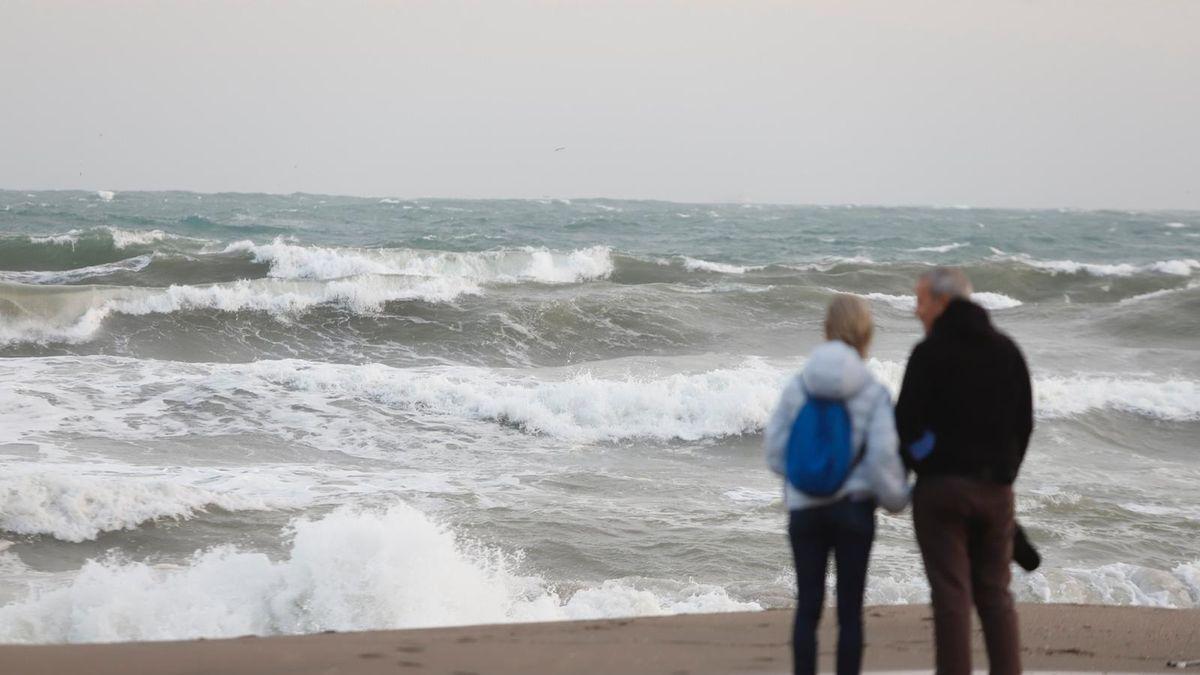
(1183, 267)
(135, 264)
(945, 248)
(293, 261)
(79, 508)
(695, 264)
(81, 312)
(350, 570)
(908, 303)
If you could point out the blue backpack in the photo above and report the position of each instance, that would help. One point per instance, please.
(820, 449)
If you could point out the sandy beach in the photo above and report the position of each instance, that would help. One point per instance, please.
(1055, 638)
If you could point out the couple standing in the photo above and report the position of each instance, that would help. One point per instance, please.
(962, 423)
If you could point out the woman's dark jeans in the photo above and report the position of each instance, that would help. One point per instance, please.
(847, 528)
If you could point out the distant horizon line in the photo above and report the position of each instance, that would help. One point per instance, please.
(822, 205)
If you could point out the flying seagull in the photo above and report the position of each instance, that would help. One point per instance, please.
(560, 148)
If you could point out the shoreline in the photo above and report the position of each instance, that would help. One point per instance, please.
(1095, 638)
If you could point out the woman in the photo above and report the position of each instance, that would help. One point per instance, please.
(845, 521)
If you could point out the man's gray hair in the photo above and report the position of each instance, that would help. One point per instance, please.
(948, 282)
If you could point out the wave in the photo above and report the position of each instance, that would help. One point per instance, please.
(135, 264)
(1183, 267)
(580, 407)
(350, 570)
(945, 248)
(1159, 293)
(571, 404)
(120, 239)
(80, 508)
(82, 249)
(695, 264)
(75, 314)
(987, 300)
(1111, 584)
(291, 261)
(1172, 399)
(395, 568)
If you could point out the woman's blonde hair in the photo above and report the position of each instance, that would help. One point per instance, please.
(849, 319)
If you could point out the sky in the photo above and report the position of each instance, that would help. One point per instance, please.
(1033, 103)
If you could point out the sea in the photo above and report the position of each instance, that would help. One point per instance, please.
(249, 414)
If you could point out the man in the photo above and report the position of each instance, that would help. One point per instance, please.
(964, 416)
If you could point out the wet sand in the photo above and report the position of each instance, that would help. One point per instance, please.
(1055, 638)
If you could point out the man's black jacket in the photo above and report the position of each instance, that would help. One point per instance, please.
(968, 384)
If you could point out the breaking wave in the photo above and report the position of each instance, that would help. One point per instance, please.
(76, 314)
(80, 508)
(291, 261)
(571, 404)
(1183, 267)
(350, 570)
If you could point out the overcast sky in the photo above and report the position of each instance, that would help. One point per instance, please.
(1089, 103)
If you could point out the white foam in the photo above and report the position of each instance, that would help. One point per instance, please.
(1183, 267)
(1171, 399)
(135, 264)
(78, 507)
(695, 264)
(105, 195)
(827, 263)
(945, 248)
(292, 261)
(1176, 226)
(578, 407)
(1067, 396)
(121, 239)
(1111, 584)
(69, 239)
(748, 495)
(902, 302)
(571, 404)
(908, 303)
(995, 301)
(87, 309)
(351, 570)
(126, 238)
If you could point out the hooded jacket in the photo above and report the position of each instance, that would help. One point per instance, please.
(835, 370)
(968, 385)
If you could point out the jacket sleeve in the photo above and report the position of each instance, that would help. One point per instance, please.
(887, 475)
(1024, 409)
(779, 425)
(912, 417)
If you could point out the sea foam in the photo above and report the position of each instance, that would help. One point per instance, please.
(987, 300)
(292, 261)
(83, 311)
(350, 570)
(78, 508)
(572, 404)
(1182, 267)
(135, 264)
(945, 248)
(695, 264)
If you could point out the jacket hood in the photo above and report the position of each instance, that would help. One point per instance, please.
(834, 370)
(962, 317)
